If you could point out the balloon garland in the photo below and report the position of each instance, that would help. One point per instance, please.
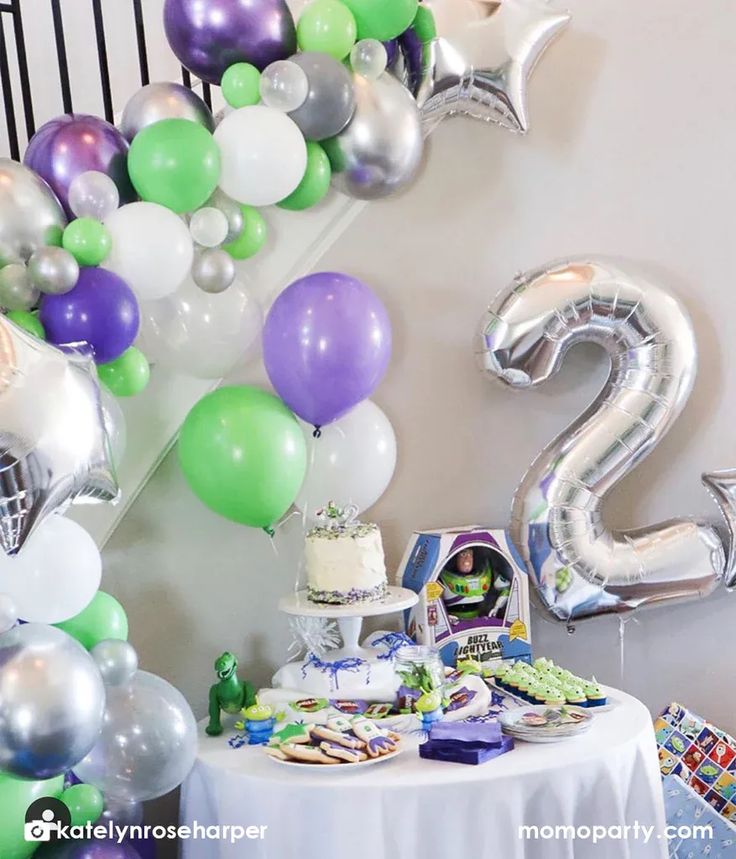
(117, 250)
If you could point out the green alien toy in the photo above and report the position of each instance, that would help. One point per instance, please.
(228, 694)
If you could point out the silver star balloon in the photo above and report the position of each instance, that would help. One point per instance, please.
(53, 444)
(480, 62)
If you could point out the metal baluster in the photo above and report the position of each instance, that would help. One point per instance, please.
(8, 94)
(102, 56)
(66, 90)
(207, 94)
(140, 35)
(186, 78)
(25, 81)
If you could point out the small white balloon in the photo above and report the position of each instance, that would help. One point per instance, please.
(8, 613)
(151, 249)
(284, 86)
(16, 290)
(263, 154)
(369, 58)
(55, 575)
(209, 227)
(352, 462)
(93, 195)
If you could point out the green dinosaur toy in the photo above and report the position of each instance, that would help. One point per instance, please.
(229, 693)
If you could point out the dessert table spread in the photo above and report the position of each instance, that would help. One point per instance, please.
(410, 807)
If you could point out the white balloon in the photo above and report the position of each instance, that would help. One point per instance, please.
(284, 85)
(202, 334)
(115, 425)
(209, 227)
(151, 249)
(263, 155)
(351, 463)
(93, 195)
(55, 575)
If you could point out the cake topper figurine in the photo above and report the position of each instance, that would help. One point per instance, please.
(333, 517)
(229, 694)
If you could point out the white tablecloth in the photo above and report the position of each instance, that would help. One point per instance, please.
(410, 808)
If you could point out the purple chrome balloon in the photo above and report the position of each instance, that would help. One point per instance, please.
(75, 143)
(207, 36)
(326, 345)
(101, 310)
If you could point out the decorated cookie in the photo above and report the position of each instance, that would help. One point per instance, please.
(349, 755)
(294, 733)
(336, 738)
(377, 741)
(275, 752)
(350, 708)
(310, 705)
(306, 754)
(379, 711)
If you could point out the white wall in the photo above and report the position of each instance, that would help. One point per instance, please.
(631, 153)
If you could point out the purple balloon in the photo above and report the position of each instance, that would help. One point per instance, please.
(326, 345)
(207, 36)
(101, 310)
(75, 143)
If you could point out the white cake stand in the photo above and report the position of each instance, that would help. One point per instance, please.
(349, 617)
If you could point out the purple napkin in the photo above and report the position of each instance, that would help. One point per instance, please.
(462, 752)
(488, 733)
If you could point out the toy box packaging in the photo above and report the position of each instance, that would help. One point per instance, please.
(473, 594)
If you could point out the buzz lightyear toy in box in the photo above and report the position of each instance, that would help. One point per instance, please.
(473, 594)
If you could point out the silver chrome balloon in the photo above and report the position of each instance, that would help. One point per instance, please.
(51, 701)
(380, 151)
(53, 270)
(30, 214)
(330, 102)
(213, 270)
(231, 210)
(481, 67)
(722, 487)
(148, 741)
(579, 567)
(163, 100)
(116, 660)
(16, 290)
(54, 447)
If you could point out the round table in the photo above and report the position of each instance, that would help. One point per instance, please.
(421, 809)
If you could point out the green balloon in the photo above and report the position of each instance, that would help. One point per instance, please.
(103, 618)
(176, 163)
(241, 85)
(424, 25)
(252, 237)
(85, 803)
(327, 26)
(27, 320)
(87, 240)
(127, 375)
(316, 181)
(243, 454)
(16, 794)
(382, 19)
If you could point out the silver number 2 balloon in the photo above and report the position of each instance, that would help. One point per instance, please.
(578, 566)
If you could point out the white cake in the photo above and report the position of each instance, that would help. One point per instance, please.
(345, 564)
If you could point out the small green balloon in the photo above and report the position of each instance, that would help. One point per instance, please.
(252, 237)
(127, 375)
(103, 618)
(316, 181)
(327, 26)
(241, 85)
(382, 19)
(16, 794)
(85, 803)
(29, 321)
(87, 240)
(175, 163)
(424, 25)
(243, 454)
